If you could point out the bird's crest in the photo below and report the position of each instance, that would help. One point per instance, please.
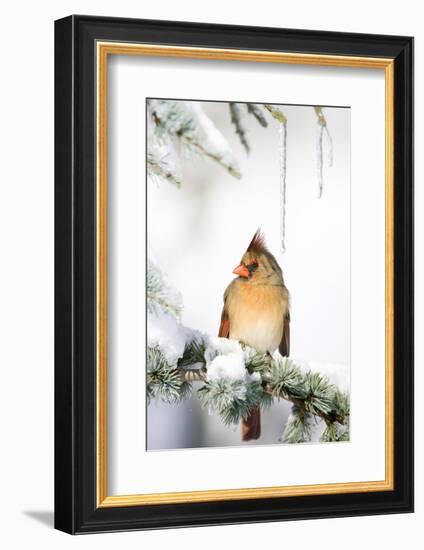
(257, 244)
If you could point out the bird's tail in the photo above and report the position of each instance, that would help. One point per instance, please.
(251, 425)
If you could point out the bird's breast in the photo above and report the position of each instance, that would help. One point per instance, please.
(256, 314)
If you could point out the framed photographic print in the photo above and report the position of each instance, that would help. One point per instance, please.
(234, 274)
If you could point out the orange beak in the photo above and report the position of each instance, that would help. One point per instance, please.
(241, 270)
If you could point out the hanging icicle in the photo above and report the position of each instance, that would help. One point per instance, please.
(322, 129)
(278, 114)
(283, 182)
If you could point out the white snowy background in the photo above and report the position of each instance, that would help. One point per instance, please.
(198, 233)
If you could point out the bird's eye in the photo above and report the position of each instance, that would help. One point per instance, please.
(252, 267)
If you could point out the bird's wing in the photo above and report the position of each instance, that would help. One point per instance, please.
(224, 327)
(284, 347)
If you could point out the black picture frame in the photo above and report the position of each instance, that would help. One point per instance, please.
(76, 510)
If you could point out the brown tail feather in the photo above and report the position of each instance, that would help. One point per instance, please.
(251, 425)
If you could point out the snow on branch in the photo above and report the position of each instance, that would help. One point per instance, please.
(159, 166)
(187, 124)
(160, 294)
(235, 378)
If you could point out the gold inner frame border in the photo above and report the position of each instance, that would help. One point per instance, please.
(103, 50)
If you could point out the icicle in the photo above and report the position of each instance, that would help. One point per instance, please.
(278, 114)
(330, 146)
(322, 127)
(319, 159)
(283, 185)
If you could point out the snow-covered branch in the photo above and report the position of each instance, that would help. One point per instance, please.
(235, 378)
(160, 294)
(183, 123)
(158, 166)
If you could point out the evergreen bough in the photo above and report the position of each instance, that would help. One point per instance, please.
(267, 379)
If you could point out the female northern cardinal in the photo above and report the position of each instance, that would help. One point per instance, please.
(256, 312)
